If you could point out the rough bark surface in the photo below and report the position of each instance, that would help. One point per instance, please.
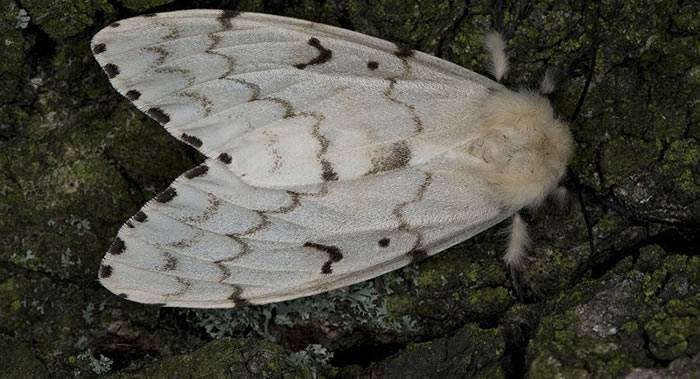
(612, 288)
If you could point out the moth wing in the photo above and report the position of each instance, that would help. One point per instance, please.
(212, 241)
(291, 102)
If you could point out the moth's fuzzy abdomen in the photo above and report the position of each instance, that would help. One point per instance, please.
(524, 147)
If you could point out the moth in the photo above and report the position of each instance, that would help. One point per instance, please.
(332, 156)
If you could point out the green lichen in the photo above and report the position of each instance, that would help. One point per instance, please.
(603, 328)
(675, 332)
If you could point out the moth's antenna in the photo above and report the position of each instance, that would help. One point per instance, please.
(497, 48)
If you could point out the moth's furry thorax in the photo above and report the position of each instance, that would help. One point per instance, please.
(524, 147)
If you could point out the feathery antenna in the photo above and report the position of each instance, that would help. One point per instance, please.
(497, 48)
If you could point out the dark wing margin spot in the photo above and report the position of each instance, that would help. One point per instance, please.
(105, 271)
(123, 296)
(158, 115)
(111, 70)
(417, 255)
(150, 15)
(403, 51)
(197, 171)
(334, 255)
(225, 18)
(114, 24)
(372, 65)
(324, 55)
(224, 157)
(192, 140)
(133, 94)
(99, 48)
(384, 242)
(236, 297)
(117, 247)
(159, 304)
(140, 216)
(166, 195)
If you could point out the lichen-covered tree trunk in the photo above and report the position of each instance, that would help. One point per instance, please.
(612, 287)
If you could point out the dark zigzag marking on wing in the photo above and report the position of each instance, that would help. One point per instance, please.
(334, 255)
(235, 296)
(327, 171)
(324, 55)
(416, 252)
(254, 88)
(411, 108)
(169, 70)
(263, 223)
(173, 31)
(388, 92)
(162, 53)
(230, 61)
(203, 100)
(186, 285)
(213, 205)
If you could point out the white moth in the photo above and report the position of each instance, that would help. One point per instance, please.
(333, 157)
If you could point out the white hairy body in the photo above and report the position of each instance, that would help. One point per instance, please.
(333, 157)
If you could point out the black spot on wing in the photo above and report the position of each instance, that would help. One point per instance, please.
(140, 216)
(117, 247)
(111, 70)
(334, 255)
(133, 94)
(99, 48)
(129, 223)
(158, 304)
(105, 271)
(225, 18)
(192, 140)
(372, 65)
(166, 195)
(197, 171)
(148, 15)
(123, 296)
(224, 157)
(384, 242)
(158, 115)
(114, 24)
(324, 55)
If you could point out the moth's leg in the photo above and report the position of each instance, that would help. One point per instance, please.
(517, 243)
(549, 82)
(499, 59)
(516, 252)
